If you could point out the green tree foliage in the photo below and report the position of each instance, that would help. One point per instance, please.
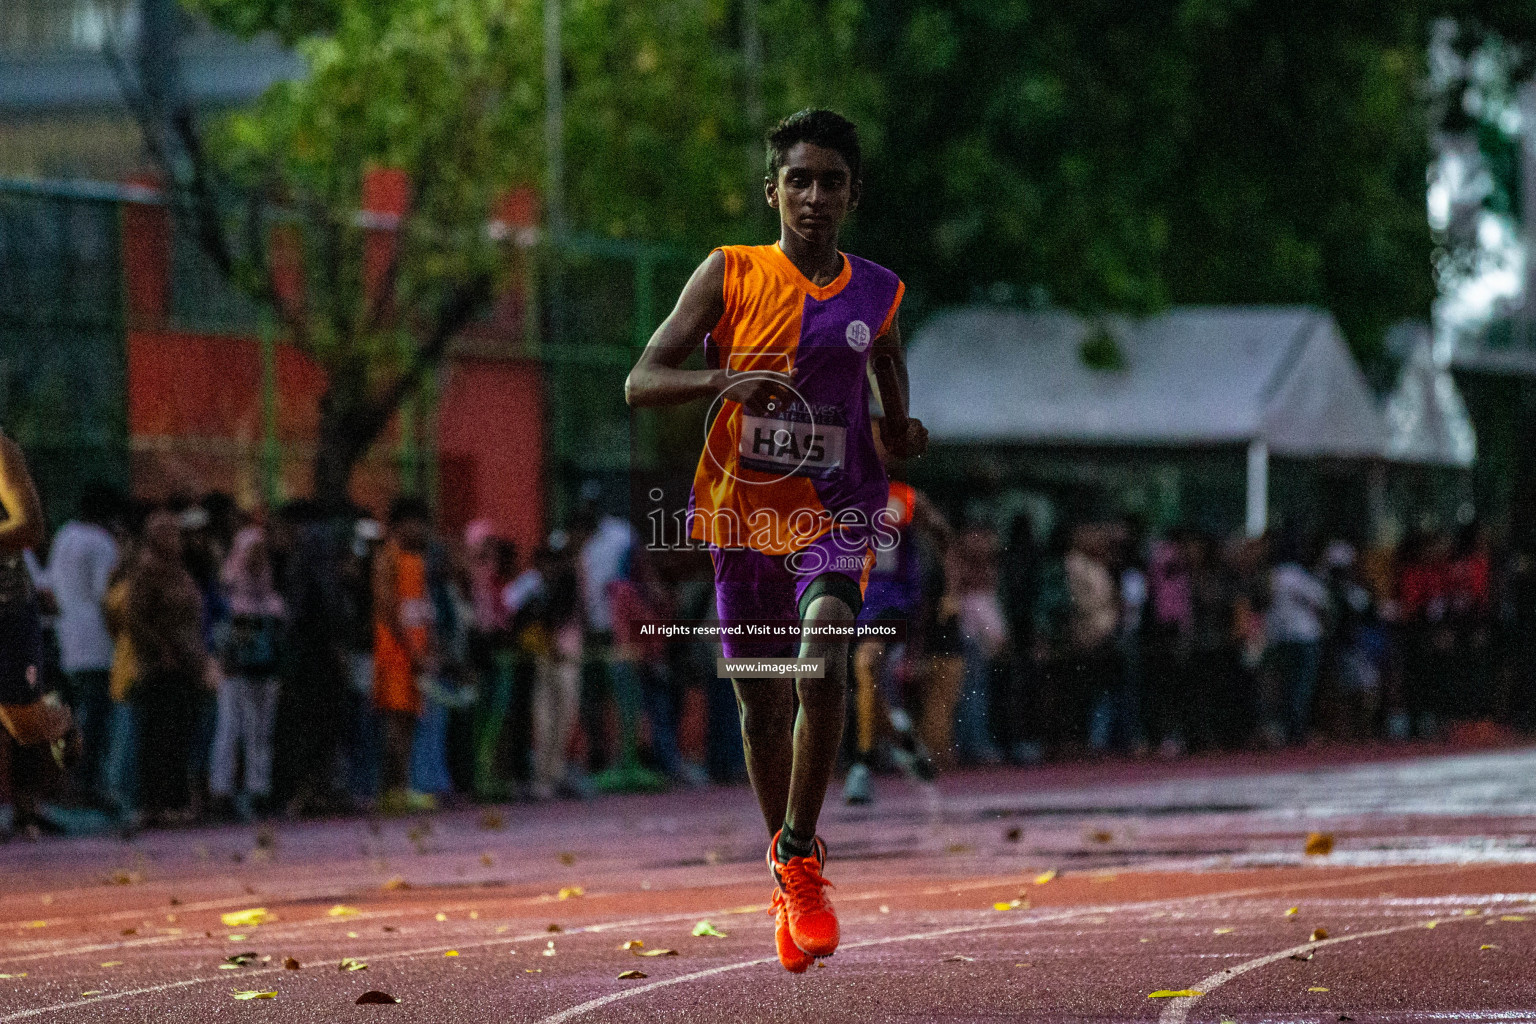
(1125, 154)
(1104, 155)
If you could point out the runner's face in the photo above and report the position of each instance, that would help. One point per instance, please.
(814, 192)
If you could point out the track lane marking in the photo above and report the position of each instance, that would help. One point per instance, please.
(1019, 921)
(593, 929)
(1178, 1009)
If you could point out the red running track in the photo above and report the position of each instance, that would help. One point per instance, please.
(1168, 877)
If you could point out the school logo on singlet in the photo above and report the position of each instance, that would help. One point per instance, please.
(858, 335)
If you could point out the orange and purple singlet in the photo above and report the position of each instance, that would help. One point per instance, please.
(797, 492)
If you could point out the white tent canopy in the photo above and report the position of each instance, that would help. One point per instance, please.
(1192, 376)
(1426, 416)
(1278, 380)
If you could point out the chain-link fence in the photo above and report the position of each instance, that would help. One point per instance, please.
(590, 305)
(63, 365)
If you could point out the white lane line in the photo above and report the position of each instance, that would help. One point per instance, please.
(1177, 1010)
(642, 922)
(279, 931)
(595, 929)
(1021, 920)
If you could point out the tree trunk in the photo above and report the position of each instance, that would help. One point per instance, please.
(349, 425)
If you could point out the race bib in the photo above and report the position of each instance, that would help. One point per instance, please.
(791, 447)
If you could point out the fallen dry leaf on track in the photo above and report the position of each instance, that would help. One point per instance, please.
(657, 952)
(1430, 924)
(567, 858)
(1317, 988)
(1175, 993)
(290, 964)
(1102, 837)
(119, 963)
(352, 964)
(451, 952)
(245, 918)
(1303, 957)
(570, 892)
(492, 821)
(959, 848)
(129, 931)
(1225, 931)
(351, 935)
(8, 977)
(341, 911)
(374, 996)
(254, 994)
(1002, 906)
(241, 959)
(633, 975)
(35, 924)
(1512, 917)
(1292, 912)
(1488, 946)
(95, 992)
(704, 928)
(1319, 844)
(238, 938)
(487, 859)
(1318, 935)
(1045, 876)
(395, 883)
(958, 959)
(633, 944)
(884, 909)
(553, 928)
(442, 916)
(1013, 835)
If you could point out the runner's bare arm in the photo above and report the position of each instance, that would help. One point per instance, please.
(23, 525)
(903, 436)
(657, 377)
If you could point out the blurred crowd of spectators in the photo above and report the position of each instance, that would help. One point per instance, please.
(224, 666)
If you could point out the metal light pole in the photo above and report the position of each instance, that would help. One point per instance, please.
(554, 205)
(554, 121)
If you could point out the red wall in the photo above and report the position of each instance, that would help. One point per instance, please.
(195, 423)
(490, 439)
(194, 400)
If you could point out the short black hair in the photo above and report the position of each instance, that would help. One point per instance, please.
(407, 508)
(825, 128)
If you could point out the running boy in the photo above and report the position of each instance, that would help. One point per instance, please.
(789, 494)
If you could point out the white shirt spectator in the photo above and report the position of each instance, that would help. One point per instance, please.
(602, 558)
(81, 559)
(1297, 601)
(521, 590)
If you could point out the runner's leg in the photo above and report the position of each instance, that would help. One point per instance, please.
(819, 722)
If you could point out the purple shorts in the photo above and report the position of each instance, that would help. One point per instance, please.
(750, 585)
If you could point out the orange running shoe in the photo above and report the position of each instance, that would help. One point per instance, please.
(807, 913)
(791, 957)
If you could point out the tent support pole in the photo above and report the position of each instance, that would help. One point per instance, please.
(1258, 488)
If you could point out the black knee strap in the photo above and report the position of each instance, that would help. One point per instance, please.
(833, 584)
